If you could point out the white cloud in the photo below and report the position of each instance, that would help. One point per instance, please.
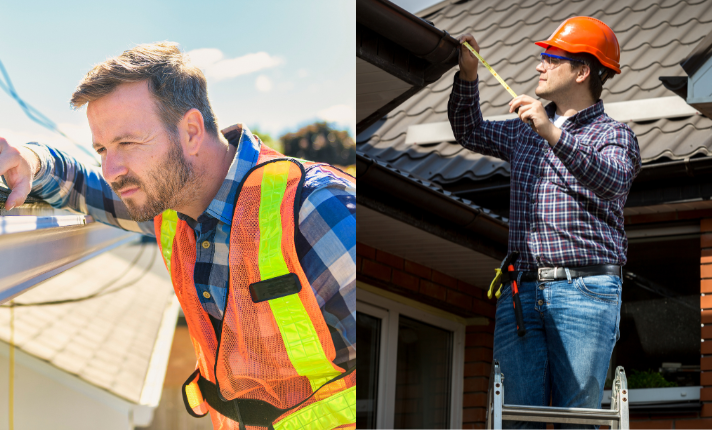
(302, 73)
(263, 84)
(341, 114)
(218, 68)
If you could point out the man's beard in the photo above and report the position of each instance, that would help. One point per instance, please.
(165, 188)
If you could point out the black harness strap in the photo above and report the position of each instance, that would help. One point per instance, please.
(253, 412)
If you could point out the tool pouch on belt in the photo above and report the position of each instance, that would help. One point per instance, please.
(502, 275)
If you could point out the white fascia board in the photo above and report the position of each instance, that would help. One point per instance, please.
(153, 383)
(635, 110)
(649, 109)
(31, 257)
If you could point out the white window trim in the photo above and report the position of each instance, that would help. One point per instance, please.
(389, 311)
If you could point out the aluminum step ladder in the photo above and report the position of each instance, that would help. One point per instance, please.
(616, 417)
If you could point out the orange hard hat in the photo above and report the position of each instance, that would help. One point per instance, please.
(586, 34)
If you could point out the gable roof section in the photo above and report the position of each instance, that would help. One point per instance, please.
(654, 38)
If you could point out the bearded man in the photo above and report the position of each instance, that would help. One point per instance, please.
(572, 167)
(260, 247)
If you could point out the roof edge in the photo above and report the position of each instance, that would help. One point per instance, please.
(407, 30)
(455, 210)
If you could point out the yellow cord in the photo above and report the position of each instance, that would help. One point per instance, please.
(12, 368)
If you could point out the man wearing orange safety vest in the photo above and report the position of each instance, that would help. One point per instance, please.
(260, 247)
(572, 167)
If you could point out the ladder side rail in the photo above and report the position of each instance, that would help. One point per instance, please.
(623, 398)
(498, 397)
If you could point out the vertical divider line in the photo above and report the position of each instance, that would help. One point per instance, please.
(11, 393)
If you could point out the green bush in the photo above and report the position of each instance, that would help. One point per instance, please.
(648, 379)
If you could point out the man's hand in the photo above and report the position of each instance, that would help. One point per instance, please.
(468, 61)
(532, 112)
(19, 166)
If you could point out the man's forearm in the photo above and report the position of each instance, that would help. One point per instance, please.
(65, 183)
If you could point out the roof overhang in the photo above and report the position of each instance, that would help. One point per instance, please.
(397, 55)
(429, 208)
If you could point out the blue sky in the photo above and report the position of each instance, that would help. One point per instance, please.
(275, 64)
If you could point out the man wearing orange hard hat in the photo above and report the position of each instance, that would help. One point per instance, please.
(572, 167)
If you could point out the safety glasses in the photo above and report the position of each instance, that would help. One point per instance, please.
(550, 61)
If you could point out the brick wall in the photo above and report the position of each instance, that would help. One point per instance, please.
(421, 283)
(703, 419)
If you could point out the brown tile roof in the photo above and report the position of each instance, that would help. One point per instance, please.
(654, 38)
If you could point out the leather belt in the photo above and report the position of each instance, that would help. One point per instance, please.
(559, 273)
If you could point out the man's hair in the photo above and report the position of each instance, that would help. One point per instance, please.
(177, 85)
(599, 73)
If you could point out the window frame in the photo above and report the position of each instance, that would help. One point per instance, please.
(389, 311)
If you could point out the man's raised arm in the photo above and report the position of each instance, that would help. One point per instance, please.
(64, 183)
(495, 138)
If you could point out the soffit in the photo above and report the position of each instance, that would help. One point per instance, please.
(398, 238)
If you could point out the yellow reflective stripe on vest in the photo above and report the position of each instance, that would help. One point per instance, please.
(169, 223)
(274, 184)
(331, 412)
(300, 338)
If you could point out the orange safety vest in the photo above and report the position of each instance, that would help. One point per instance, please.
(273, 364)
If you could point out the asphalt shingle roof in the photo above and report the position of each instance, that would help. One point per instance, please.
(107, 341)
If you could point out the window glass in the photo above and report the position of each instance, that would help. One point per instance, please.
(368, 339)
(423, 375)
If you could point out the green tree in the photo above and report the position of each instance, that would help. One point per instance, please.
(320, 142)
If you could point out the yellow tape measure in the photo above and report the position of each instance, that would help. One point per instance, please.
(482, 60)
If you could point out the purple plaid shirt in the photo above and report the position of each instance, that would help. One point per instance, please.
(566, 201)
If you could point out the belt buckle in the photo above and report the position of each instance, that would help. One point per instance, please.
(542, 273)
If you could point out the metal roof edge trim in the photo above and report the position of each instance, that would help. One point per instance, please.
(431, 190)
(63, 249)
(23, 223)
(634, 110)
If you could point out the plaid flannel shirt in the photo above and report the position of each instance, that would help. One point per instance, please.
(325, 240)
(566, 201)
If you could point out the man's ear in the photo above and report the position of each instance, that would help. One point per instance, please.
(192, 131)
(583, 72)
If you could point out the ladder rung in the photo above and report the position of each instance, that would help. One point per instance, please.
(559, 415)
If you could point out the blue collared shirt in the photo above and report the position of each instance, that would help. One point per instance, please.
(325, 240)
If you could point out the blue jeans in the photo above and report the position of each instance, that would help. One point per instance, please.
(572, 326)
